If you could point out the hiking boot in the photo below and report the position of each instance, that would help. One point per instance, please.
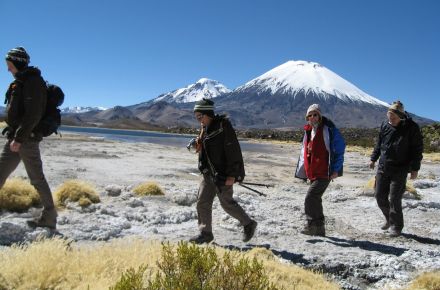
(249, 231)
(314, 230)
(385, 226)
(203, 237)
(394, 232)
(48, 219)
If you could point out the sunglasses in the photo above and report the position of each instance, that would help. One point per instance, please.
(312, 115)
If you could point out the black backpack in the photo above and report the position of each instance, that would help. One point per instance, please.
(51, 120)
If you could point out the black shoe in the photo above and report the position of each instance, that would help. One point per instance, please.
(48, 219)
(42, 223)
(314, 230)
(249, 231)
(386, 226)
(393, 232)
(203, 237)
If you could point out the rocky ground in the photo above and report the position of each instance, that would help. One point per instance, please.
(355, 252)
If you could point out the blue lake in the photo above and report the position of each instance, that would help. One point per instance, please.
(177, 140)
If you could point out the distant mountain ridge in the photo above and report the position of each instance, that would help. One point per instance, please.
(277, 99)
(80, 109)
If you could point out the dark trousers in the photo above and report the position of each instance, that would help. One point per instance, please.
(29, 153)
(207, 192)
(389, 191)
(313, 202)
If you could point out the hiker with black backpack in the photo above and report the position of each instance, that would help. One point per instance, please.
(26, 101)
(221, 163)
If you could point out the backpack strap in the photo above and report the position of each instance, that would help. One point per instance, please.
(209, 136)
(17, 83)
(216, 132)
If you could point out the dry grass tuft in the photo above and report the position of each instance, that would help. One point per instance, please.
(411, 189)
(370, 183)
(18, 195)
(148, 188)
(290, 276)
(426, 281)
(364, 151)
(76, 191)
(433, 156)
(57, 264)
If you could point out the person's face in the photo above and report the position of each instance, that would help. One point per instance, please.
(11, 67)
(313, 118)
(393, 119)
(202, 118)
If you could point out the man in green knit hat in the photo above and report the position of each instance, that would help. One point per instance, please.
(221, 163)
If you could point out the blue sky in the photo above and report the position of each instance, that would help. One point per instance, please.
(107, 53)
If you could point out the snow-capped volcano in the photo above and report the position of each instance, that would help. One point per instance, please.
(280, 97)
(303, 77)
(203, 88)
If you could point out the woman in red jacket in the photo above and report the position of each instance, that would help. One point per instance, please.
(321, 160)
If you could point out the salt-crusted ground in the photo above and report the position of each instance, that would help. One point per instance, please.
(356, 253)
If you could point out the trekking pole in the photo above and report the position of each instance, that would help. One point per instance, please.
(251, 189)
(258, 184)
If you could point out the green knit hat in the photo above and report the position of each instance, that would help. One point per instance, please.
(19, 57)
(205, 106)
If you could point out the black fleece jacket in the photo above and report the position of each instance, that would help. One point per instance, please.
(26, 103)
(399, 148)
(221, 155)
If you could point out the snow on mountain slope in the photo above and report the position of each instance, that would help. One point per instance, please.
(294, 77)
(80, 109)
(203, 88)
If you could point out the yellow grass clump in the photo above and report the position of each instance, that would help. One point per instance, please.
(364, 151)
(57, 264)
(286, 276)
(148, 188)
(76, 191)
(432, 156)
(426, 281)
(411, 189)
(18, 195)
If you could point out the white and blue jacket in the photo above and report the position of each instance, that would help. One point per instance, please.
(335, 145)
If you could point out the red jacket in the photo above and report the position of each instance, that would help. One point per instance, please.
(315, 155)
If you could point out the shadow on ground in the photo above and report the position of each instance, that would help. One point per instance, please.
(364, 245)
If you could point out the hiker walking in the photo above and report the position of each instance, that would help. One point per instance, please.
(26, 102)
(221, 163)
(399, 149)
(321, 160)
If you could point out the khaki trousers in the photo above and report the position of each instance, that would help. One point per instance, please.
(207, 192)
(313, 202)
(29, 153)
